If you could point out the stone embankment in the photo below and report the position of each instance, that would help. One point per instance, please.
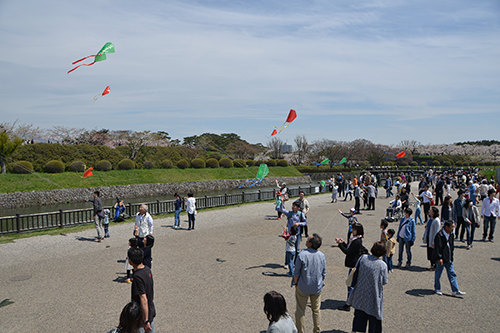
(34, 198)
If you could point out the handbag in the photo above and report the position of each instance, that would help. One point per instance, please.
(352, 278)
(432, 202)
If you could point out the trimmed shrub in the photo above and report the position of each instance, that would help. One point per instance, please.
(404, 164)
(149, 165)
(282, 163)
(225, 163)
(126, 164)
(239, 163)
(103, 165)
(77, 166)
(413, 163)
(22, 167)
(258, 163)
(216, 155)
(473, 163)
(212, 163)
(423, 163)
(271, 163)
(459, 163)
(198, 163)
(182, 164)
(436, 163)
(250, 163)
(446, 163)
(54, 166)
(488, 163)
(167, 164)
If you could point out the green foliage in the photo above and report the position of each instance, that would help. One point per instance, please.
(149, 165)
(436, 163)
(212, 163)
(225, 163)
(77, 166)
(413, 163)
(473, 163)
(216, 155)
(167, 164)
(322, 169)
(459, 163)
(22, 167)
(488, 163)
(250, 163)
(182, 164)
(282, 163)
(7, 147)
(126, 164)
(271, 163)
(258, 163)
(54, 166)
(404, 164)
(198, 163)
(103, 165)
(423, 163)
(447, 163)
(239, 163)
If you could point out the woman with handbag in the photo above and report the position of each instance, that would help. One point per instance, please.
(431, 229)
(352, 250)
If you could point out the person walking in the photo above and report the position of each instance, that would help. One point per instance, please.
(443, 255)
(406, 237)
(98, 215)
(490, 211)
(458, 206)
(308, 279)
(372, 194)
(471, 219)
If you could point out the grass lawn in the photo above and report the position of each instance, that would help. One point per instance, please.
(46, 181)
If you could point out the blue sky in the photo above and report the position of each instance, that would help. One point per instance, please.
(378, 70)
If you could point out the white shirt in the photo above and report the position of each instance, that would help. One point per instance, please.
(191, 205)
(490, 208)
(424, 196)
(145, 224)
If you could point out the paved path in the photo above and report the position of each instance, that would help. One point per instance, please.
(76, 284)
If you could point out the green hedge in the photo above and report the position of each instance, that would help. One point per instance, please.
(149, 165)
(103, 165)
(77, 166)
(198, 163)
(250, 163)
(22, 167)
(212, 163)
(54, 166)
(271, 163)
(167, 164)
(126, 164)
(282, 163)
(182, 164)
(239, 163)
(225, 163)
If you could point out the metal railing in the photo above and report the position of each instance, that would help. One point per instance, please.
(63, 218)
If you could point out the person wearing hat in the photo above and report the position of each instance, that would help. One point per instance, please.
(351, 219)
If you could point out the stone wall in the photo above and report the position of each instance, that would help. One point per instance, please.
(34, 198)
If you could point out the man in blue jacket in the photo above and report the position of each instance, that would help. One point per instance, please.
(406, 237)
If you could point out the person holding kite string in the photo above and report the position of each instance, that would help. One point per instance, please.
(295, 219)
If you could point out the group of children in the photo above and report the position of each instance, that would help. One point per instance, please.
(145, 244)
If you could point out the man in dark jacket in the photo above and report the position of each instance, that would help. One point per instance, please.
(443, 256)
(97, 212)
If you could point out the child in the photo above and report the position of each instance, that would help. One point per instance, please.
(335, 192)
(105, 223)
(146, 244)
(383, 236)
(418, 210)
(291, 239)
(277, 204)
(351, 219)
(132, 242)
(391, 248)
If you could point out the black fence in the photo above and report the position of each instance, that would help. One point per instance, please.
(64, 218)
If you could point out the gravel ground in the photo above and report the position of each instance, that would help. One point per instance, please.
(71, 283)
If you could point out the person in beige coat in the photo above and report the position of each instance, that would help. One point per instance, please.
(472, 221)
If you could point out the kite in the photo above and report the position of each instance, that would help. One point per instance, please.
(263, 171)
(324, 162)
(401, 154)
(342, 161)
(105, 92)
(88, 172)
(291, 117)
(398, 156)
(100, 56)
(323, 185)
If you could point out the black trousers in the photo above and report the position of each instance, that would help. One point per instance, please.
(439, 198)
(460, 223)
(357, 204)
(371, 203)
(427, 207)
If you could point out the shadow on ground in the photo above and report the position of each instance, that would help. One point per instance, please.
(120, 279)
(273, 266)
(334, 331)
(331, 304)
(413, 269)
(420, 292)
(121, 261)
(85, 239)
(497, 259)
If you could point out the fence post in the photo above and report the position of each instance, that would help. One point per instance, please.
(260, 196)
(206, 200)
(129, 209)
(157, 206)
(18, 222)
(243, 197)
(225, 199)
(61, 218)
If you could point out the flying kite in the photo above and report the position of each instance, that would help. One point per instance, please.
(291, 117)
(342, 161)
(398, 156)
(88, 172)
(324, 162)
(100, 56)
(105, 92)
(263, 171)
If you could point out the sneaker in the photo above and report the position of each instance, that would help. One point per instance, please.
(128, 281)
(344, 307)
(484, 239)
(491, 240)
(285, 267)
(468, 247)
(407, 266)
(279, 218)
(438, 292)
(457, 293)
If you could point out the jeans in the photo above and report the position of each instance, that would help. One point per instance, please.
(300, 310)
(467, 227)
(297, 245)
(371, 203)
(289, 256)
(389, 263)
(191, 220)
(489, 221)
(418, 211)
(452, 276)
(402, 244)
(177, 218)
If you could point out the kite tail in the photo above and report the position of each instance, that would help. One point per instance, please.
(96, 97)
(283, 128)
(258, 181)
(90, 56)
(251, 180)
(80, 66)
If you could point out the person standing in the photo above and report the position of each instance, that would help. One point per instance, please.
(178, 209)
(367, 297)
(426, 200)
(357, 198)
(143, 223)
(388, 187)
(431, 229)
(443, 255)
(304, 208)
(372, 194)
(309, 276)
(458, 206)
(471, 219)
(295, 219)
(490, 211)
(276, 312)
(191, 210)
(143, 289)
(439, 190)
(97, 203)
(406, 237)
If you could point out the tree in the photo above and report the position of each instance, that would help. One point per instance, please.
(63, 134)
(410, 145)
(302, 148)
(7, 147)
(137, 140)
(275, 144)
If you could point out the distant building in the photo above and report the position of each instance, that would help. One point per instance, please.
(286, 148)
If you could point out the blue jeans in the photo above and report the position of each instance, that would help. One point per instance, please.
(289, 256)
(452, 276)
(489, 221)
(177, 218)
(417, 215)
(389, 263)
(297, 244)
(402, 245)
